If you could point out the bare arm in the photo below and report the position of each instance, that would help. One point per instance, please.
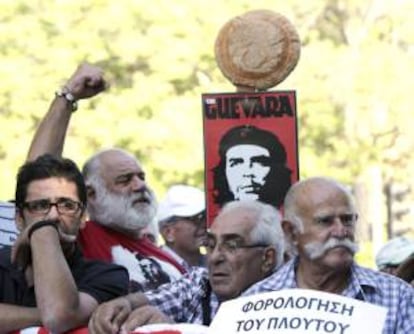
(17, 317)
(86, 82)
(61, 305)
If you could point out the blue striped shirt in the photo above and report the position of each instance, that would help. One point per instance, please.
(181, 300)
(365, 285)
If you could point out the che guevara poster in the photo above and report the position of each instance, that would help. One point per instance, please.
(250, 147)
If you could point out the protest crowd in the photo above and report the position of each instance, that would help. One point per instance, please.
(80, 246)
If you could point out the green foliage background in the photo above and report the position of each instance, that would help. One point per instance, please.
(353, 81)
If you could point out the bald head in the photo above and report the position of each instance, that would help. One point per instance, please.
(319, 222)
(105, 159)
(309, 194)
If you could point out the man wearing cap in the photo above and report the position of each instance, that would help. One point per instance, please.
(252, 166)
(395, 258)
(182, 224)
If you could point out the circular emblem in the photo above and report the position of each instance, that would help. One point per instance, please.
(257, 49)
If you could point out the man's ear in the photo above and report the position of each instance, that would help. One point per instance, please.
(269, 260)
(19, 220)
(290, 231)
(291, 239)
(168, 233)
(90, 193)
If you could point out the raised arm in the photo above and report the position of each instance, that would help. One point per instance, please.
(86, 82)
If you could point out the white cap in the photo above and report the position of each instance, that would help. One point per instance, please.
(394, 252)
(181, 201)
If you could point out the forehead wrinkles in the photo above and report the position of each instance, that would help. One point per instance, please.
(116, 163)
(322, 197)
(239, 222)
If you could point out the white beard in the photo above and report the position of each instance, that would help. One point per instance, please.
(120, 212)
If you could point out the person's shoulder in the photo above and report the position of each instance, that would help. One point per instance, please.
(101, 265)
(197, 273)
(384, 283)
(194, 276)
(280, 279)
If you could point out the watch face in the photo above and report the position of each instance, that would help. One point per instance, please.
(68, 97)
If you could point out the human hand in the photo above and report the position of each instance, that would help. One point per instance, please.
(109, 316)
(87, 81)
(21, 250)
(143, 316)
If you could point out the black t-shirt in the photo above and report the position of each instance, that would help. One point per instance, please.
(102, 281)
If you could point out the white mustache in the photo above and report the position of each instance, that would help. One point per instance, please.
(316, 249)
(143, 195)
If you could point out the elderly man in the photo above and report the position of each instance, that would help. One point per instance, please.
(320, 218)
(120, 203)
(45, 280)
(244, 245)
(182, 224)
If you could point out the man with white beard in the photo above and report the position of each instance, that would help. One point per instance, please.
(319, 220)
(120, 204)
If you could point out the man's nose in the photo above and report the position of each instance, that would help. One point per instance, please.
(137, 183)
(216, 255)
(339, 230)
(53, 212)
(248, 170)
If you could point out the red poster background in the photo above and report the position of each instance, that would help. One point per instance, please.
(218, 119)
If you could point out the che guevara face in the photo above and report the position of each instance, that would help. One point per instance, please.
(247, 167)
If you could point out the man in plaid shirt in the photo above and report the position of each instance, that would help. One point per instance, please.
(320, 221)
(244, 245)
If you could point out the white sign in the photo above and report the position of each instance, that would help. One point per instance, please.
(296, 311)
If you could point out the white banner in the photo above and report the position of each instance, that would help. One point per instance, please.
(296, 311)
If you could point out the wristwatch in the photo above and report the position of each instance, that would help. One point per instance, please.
(68, 96)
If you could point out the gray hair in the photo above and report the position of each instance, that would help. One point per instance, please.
(268, 229)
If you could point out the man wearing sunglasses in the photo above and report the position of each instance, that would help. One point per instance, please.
(44, 280)
(182, 224)
(244, 245)
(319, 220)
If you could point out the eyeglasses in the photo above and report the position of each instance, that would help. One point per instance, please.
(64, 206)
(347, 219)
(230, 246)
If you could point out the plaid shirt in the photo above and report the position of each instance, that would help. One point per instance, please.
(182, 299)
(366, 285)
